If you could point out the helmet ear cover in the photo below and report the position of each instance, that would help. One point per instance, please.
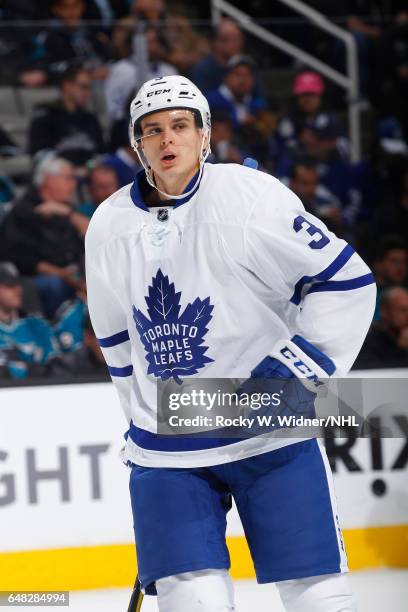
(197, 116)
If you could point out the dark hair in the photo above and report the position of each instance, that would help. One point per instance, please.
(386, 294)
(240, 60)
(71, 72)
(221, 116)
(304, 162)
(389, 243)
(101, 166)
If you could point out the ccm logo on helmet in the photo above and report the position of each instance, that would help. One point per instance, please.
(157, 92)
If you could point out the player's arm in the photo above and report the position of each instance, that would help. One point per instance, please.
(110, 327)
(329, 290)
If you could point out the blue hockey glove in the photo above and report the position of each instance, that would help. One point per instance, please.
(303, 360)
(292, 371)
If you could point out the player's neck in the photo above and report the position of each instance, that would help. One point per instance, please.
(174, 185)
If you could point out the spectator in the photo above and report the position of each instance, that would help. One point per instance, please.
(76, 340)
(386, 344)
(392, 216)
(307, 126)
(390, 90)
(308, 130)
(27, 345)
(150, 12)
(19, 58)
(390, 266)
(246, 109)
(391, 138)
(68, 326)
(102, 182)
(8, 147)
(236, 95)
(110, 10)
(44, 235)
(123, 79)
(69, 40)
(124, 161)
(65, 126)
(187, 47)
(15, 165)
(228, 41)
(7, 188)
(363, 22)
(316, 198)
(224, 148)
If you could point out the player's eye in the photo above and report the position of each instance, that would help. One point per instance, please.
(152, 131)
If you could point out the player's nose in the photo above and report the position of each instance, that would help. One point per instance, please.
(167, 136)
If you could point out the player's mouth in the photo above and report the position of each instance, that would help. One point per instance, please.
(167, 159)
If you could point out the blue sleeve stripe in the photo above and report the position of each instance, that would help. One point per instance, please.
(345, 285)
(324, 275)
(114, 340)
(121, 372)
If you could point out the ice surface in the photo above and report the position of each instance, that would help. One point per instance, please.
(375, 590)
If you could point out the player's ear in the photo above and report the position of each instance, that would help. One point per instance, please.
(206, 140)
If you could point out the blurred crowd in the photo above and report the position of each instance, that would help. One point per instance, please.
(88, 57)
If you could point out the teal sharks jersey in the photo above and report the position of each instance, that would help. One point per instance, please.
(23, 341)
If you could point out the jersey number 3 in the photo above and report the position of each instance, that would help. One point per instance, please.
(300, 223)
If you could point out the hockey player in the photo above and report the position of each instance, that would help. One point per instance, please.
(222, 262)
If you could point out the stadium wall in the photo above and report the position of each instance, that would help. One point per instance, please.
(65, 515)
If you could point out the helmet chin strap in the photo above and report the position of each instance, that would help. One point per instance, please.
(150, 176)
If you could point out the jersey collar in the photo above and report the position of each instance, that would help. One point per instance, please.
(141, 188)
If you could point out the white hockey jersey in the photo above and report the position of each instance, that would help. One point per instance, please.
(209, 289)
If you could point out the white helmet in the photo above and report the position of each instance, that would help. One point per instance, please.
(169, 93)
(165, 93)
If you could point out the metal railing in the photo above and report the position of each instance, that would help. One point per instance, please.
(349, 81)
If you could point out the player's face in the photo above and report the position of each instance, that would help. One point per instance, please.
(171, 143)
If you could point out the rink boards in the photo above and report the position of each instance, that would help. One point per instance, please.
(65, 517)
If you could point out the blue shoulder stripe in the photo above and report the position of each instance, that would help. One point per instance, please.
(344, 285)
(121, 372)
(114, 340)
(324, 275)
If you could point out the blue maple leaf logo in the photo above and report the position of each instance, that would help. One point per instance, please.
(173, 342)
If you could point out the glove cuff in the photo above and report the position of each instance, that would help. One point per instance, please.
(308, 366)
